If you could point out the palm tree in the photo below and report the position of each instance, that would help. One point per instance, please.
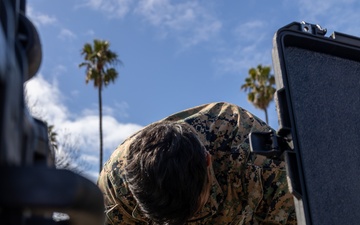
(99, 62)
(260, 86)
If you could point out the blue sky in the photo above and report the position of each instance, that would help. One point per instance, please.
(176, 55)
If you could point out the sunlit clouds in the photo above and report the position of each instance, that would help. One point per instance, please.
(45, 101)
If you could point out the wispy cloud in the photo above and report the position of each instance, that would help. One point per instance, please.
(112, 8)
(189, 21)
(90, 32)
(250, 48)
(240, 61)
(314, 9)
(46, 101)
(59, 69)
(66, 34)
(119, 108)
(249, 31)
(39, 18)
(332, 14)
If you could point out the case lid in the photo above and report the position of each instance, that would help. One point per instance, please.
(318, 106)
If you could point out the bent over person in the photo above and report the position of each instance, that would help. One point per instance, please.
(195, 167)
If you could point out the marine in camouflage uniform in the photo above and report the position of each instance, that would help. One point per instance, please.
(247, 189)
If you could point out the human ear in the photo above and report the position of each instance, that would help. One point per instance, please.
(208, 158)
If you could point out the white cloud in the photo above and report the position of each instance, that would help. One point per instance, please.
(66, 34)
(39, 18)
(161, 12)
(201, 34)
(188, 21)
(250, 49)
(250, 31)
(45, 99)
(75, 93)
(90, 32)
(90, 158)
(59, 70)
(243, 58)
(112, 8)
(121, 109)
(332, 14)
(312, 9)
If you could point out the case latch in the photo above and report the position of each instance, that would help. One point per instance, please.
(268, 144)
(314, 29)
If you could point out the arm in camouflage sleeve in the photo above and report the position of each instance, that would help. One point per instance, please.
(262, 189)
(110, 201)
(118, 209)
(255, 188)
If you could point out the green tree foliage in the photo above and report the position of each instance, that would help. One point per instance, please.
(99, 62)
(260, 87)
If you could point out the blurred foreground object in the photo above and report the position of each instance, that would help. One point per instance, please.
(31, 188)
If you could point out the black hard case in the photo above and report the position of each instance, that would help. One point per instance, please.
(318, 106)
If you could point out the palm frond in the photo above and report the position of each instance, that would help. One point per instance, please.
(99, 62)
(260, 86)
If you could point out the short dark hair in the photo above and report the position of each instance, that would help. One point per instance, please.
(166, 171)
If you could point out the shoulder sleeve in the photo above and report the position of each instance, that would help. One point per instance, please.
(222, 127)
(119, 203)
(259, 181)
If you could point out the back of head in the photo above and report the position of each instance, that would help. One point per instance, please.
(166, 171)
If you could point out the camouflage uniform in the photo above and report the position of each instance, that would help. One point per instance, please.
(247, 188)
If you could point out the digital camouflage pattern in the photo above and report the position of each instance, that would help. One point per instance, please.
(247, 189)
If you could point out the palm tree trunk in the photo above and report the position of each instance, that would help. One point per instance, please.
(266, 116)
(100, 129)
